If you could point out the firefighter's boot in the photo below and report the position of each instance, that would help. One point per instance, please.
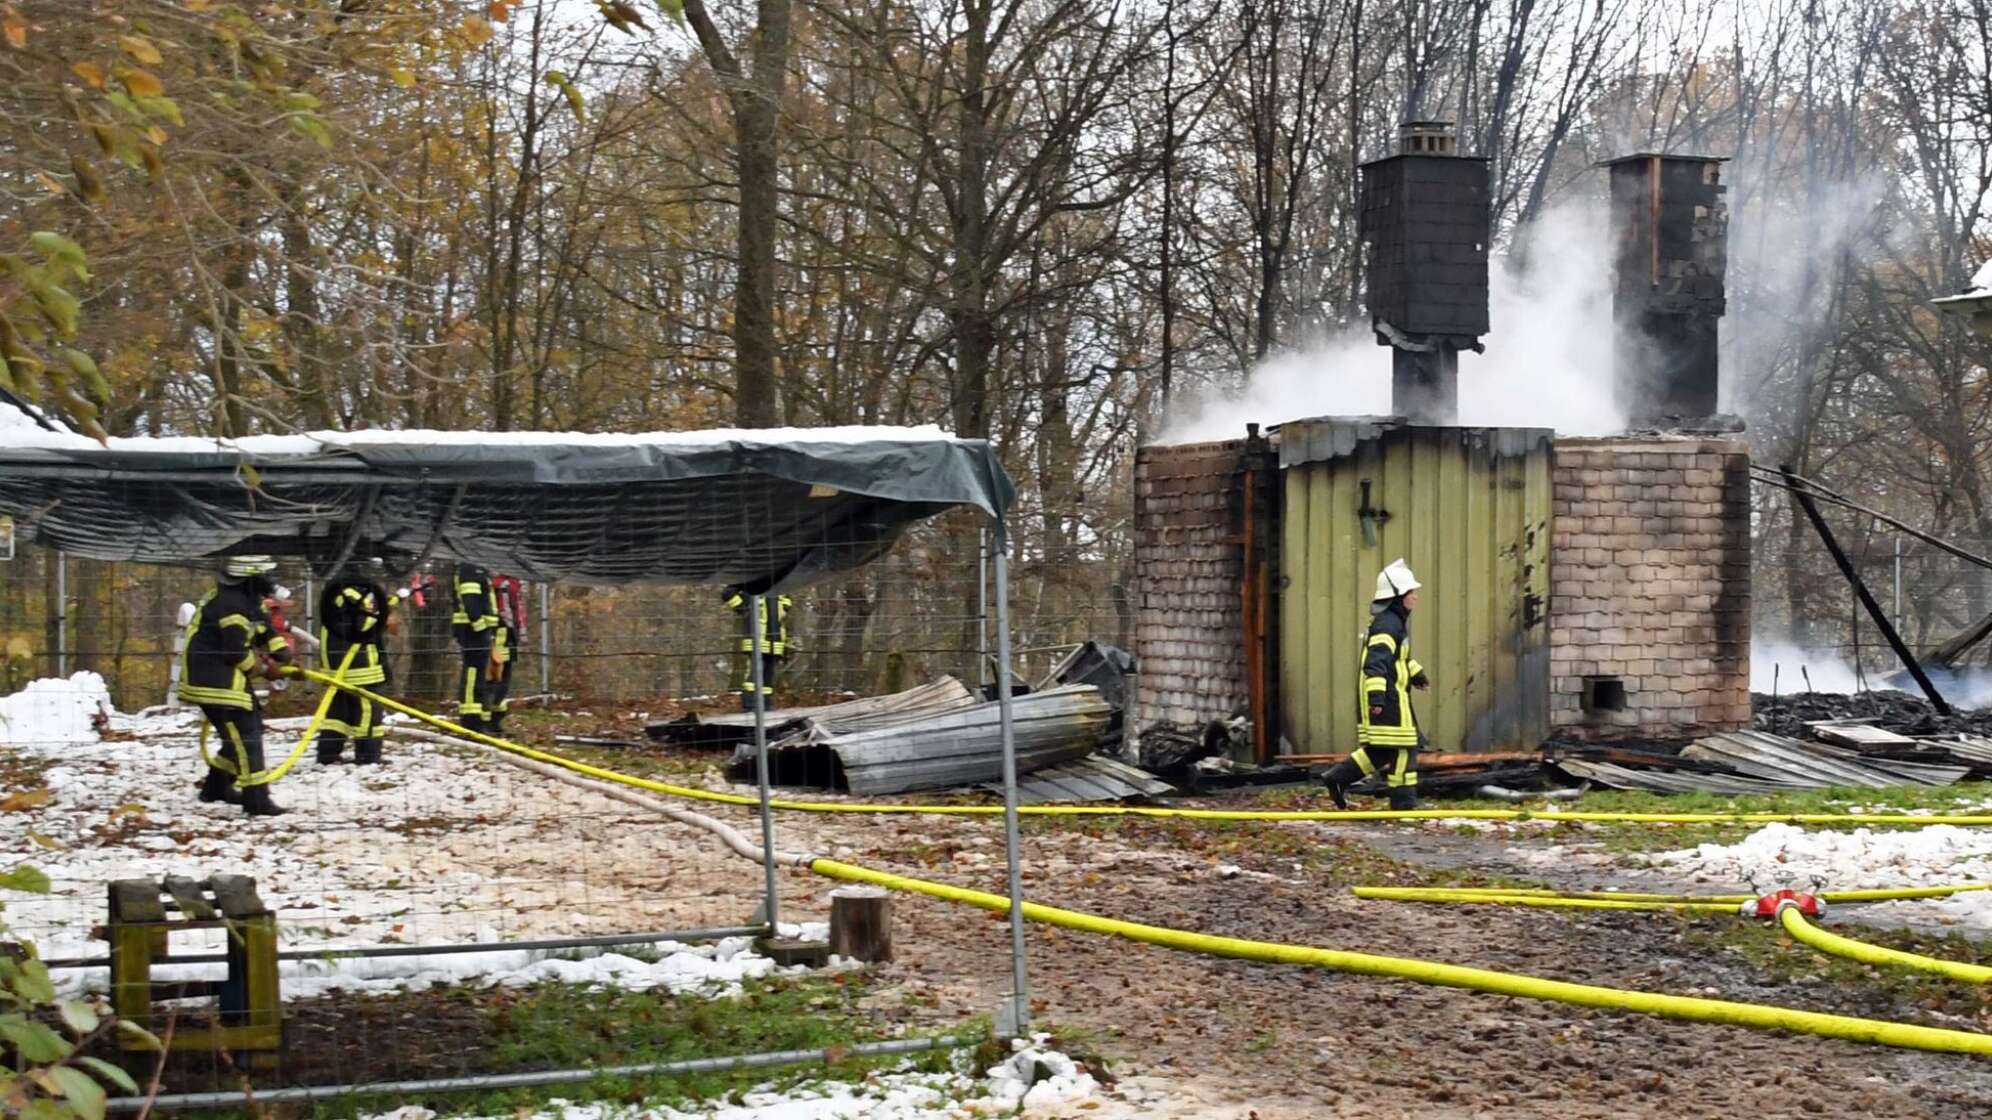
(219, 785)
(330, 747)
(1338, 778)
(256, 802)
(1404, 798)
(366, 752)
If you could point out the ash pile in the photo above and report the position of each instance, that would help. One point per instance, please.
(1791, 715)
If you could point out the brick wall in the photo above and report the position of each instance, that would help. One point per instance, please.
(1650, 570)
(1188, 641)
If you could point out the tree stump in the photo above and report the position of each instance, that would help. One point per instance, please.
(861, 923)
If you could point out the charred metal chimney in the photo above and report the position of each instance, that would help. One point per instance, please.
(1424, 222)
(1671, 230)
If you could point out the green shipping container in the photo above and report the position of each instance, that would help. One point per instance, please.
(1469, 510)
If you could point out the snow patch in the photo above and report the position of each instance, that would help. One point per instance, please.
(1861, 859)
(53, 711)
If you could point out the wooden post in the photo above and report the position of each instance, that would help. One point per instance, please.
(861, 923)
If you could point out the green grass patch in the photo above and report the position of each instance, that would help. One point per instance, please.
(560, 1026)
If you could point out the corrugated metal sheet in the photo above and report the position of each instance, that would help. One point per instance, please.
(1970, 747)
(1469, 509)
(900, 752)
(1813, 765)
(1093, 778)
(1666, 781)
(940, 695)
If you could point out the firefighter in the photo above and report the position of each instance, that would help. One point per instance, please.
(508, 597)
(355, 616)
(474, 622)
(226, 642)
(1387, 734)
(766, 638)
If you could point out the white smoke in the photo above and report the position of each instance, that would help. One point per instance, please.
(1785, 668)
(1548, 361)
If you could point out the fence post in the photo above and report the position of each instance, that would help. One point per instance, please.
(1020, 1008)
(759, 634)
(61, 615)
(546, 638)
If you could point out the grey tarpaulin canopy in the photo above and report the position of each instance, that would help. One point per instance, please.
(762, 509)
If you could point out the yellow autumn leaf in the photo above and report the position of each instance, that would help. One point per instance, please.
(91, 73)
(16, 27)
(476, 30)
(140, 49)
(402, 77)
(141, 83)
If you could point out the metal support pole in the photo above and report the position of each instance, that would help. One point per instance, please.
(1021, 997)
(758, 630)
(546, 638)
(1803, 497)
(1898, 581)
(61, 615)
(982, 675)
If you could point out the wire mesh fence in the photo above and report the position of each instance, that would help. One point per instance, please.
(449, 845)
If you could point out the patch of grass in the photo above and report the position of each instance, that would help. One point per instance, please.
(559, 1026)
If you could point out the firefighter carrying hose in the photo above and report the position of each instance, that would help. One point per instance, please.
(1387, 732)
(355, 616)
(474, 623)
(766, 638)
(227, 641)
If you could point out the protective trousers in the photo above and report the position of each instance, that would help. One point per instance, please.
(770, 665)
(471, 711)
(350, 717)
(1398, 765)
(237, 754)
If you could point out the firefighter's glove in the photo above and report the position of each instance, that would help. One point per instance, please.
(1421, 681)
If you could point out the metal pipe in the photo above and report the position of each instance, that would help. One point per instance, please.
(1803, 497)
(982, 608)
(1012, 842)
(370, 952)
(757, 628)
(304, 1093)
(61, 615)
(1898, 581)
(546, 638)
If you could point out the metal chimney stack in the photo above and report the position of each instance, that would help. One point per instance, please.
(1671, 231)
(1424, 222)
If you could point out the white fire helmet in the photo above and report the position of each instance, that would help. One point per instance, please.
(1395, 580)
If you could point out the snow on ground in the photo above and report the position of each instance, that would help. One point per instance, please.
(1035, 1079)
(441, 845)
(1778, 854)
(54, 711)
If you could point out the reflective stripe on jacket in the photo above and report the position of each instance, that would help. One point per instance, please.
(474, 617)
(354, 613)
(771, 636)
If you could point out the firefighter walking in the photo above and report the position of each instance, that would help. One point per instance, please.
(1387, 734)
(228, 641)
(355, 616)
(765, 637)
(474, 623)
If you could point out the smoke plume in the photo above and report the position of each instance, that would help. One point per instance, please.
(1548, 361)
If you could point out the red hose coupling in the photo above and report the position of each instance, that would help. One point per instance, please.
(1771, 905)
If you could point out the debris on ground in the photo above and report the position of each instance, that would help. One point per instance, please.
(1792, 714)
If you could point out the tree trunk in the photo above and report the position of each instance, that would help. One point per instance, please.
(756, 393)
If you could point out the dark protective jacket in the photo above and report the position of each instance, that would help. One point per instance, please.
(218, 649)
(1387, 675)
(771, 636)
(353, 612)
(474, 622)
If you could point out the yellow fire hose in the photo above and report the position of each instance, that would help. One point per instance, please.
(1520, 895)
(1690, 1008)
(1806, 933)
(1564, 902)
(579, 767)
(265, 777)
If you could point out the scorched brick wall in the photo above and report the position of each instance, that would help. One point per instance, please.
(1188, 641)
(1650, 570)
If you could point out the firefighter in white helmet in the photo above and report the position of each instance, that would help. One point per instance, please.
(1387, 734)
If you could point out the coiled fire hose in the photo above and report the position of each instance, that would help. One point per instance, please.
(1689, 1008)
